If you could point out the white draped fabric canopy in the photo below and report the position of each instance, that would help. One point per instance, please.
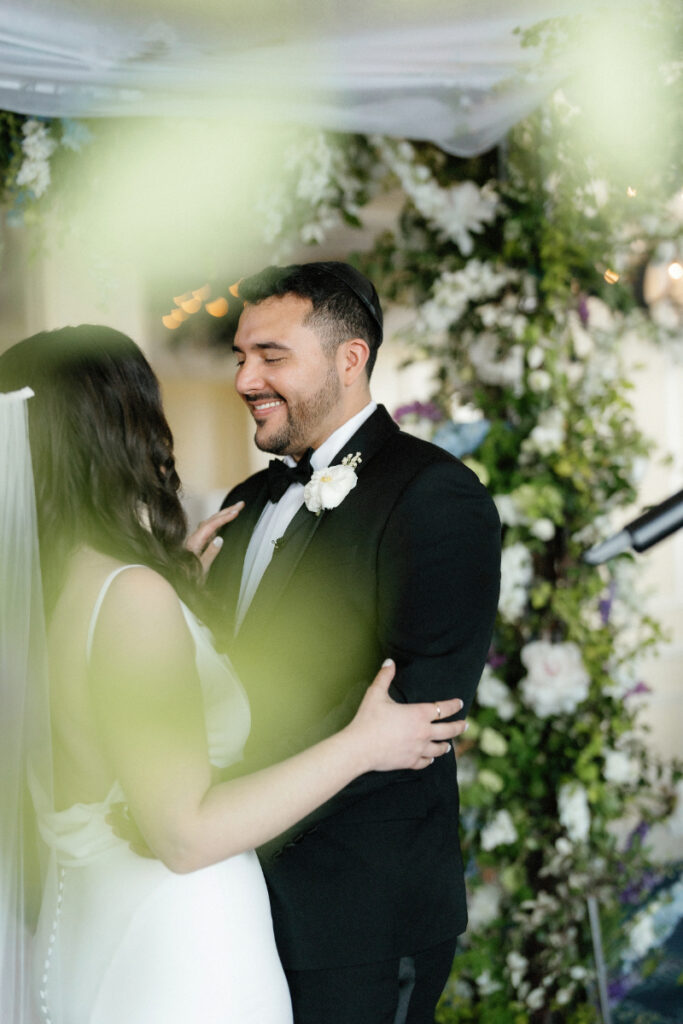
(452, 72)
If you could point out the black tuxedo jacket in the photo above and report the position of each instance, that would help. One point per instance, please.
(406, 567)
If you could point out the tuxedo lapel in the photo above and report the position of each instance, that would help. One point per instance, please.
(227, 572)
(368, 439)
(286, 556)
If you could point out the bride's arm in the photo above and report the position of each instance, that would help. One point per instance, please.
(148, 702)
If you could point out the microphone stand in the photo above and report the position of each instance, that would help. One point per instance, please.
(648, 529)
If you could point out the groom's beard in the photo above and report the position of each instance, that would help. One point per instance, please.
(303, 418)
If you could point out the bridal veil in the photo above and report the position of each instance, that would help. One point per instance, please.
(25, 741)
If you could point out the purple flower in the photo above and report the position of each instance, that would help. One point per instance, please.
(605, 604)
(638, 688)
(620, 987)
(495, 660)
(425, 410)
(639, 832)
(583, 310)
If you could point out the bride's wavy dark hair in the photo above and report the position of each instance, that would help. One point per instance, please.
(102, 455)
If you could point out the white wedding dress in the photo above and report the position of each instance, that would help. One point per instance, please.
(123, 940)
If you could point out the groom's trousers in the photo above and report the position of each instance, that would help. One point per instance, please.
(402, 991)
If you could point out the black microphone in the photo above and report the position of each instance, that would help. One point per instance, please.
(653, 526)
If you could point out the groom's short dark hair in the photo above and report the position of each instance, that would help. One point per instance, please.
(345, 302)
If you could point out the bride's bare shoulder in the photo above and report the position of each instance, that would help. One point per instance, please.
(128, 600)
(140, 625)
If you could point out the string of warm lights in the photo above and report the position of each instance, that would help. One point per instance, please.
(191, 302)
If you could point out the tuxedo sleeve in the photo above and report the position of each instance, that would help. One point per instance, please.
(438, 573)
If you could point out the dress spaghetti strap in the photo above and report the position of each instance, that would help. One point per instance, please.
(98, 605)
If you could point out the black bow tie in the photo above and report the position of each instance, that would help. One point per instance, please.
(280, 475)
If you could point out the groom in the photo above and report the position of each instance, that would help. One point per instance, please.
(401, 561)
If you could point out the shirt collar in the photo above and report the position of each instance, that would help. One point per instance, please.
(323, 455)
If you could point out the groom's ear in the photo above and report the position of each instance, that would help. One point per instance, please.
(352, 358)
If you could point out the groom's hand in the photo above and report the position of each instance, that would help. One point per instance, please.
(123, 826)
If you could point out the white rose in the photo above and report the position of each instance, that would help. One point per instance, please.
(543, 528)
(493, 693)
(500, 831)
(516, 573)
(535, 357)
(328, 487)
(483, 906)
(556, 679)
(574, 813)
(491, 780)
(492, 743)
(539, 380)
(508, 510)
(620, 768)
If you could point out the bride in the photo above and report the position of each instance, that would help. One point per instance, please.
(144, 710)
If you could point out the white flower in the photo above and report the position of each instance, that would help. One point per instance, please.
(485, 983)
(581, 339)
(467, 770)
(539, 380)
(37, 143)
(483, 906)
(499, 832)
(37, 147)
(457, 211)
(563, 846)
(535, 357)
(543, 528)
(492, 367)
(642, 937)
(600, 316)
(516, 570)
(548, 434)
(620, 768)
(574, 813)
(517, 965)
(508, 510)
(556, 679)
(493, 693)
(536, 999)
(34, 174)
(328, 487)
(491, 780)
(492, 743)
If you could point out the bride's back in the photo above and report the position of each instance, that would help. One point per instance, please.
(82, 772)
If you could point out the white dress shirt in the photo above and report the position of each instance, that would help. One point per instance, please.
(277, 516)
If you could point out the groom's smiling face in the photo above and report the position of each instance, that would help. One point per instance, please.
(291, 385)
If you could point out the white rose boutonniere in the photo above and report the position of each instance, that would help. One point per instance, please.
(328, 487)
